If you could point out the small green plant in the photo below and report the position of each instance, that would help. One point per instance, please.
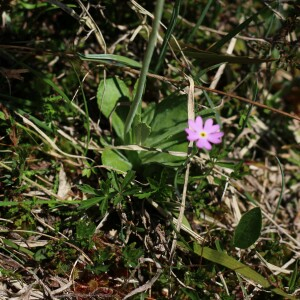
(135, 141)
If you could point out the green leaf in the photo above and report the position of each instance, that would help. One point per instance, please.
(127, 179)
(39, 123)
(91, 202)
(215, 58)
(184, 220)
(39, 255)
(85, 188)
(169, 119)
(111, 59)
(233, 32)
(165, 158)
(141, 133)
(148, 113)
(85, 230)
(111, 92)
(294, 276)
(116, 160)
(32, 6)
(17, 247)
(144, 195)
(248, 229)
(87, 172)
(226, 164)
(131, 255)
(114, 181)
(232, 264)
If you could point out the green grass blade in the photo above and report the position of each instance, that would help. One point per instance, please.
(200, 20)
(233, 33)
(212, 106)
(15, 246)
(294, 276)
(145, 67)
(169, 32)
(36, 121)
(245, 121)
(111, 59)
(215, 58)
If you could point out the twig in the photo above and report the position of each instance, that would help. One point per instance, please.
(229, 95)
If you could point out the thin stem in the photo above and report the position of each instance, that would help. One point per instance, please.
(146, 63)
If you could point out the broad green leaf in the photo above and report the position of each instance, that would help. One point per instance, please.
(141, 133)
(118, 120)
(170, 118)
(248, 229)
(115, 160)
(167, 121)
(165, 158)
(111, 92)
(148, 113)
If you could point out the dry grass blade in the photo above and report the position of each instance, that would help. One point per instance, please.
(48, 140)
(149, 283)
(191, 116)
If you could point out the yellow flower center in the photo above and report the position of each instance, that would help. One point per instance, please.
(203, 134)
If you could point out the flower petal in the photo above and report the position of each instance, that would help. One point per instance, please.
(208, 125)
(214, 128)
(199, 123)
(215, 137)
(203, 143)
(192, 125)
(192, 135)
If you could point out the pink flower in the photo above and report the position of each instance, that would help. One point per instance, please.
(204, 135)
